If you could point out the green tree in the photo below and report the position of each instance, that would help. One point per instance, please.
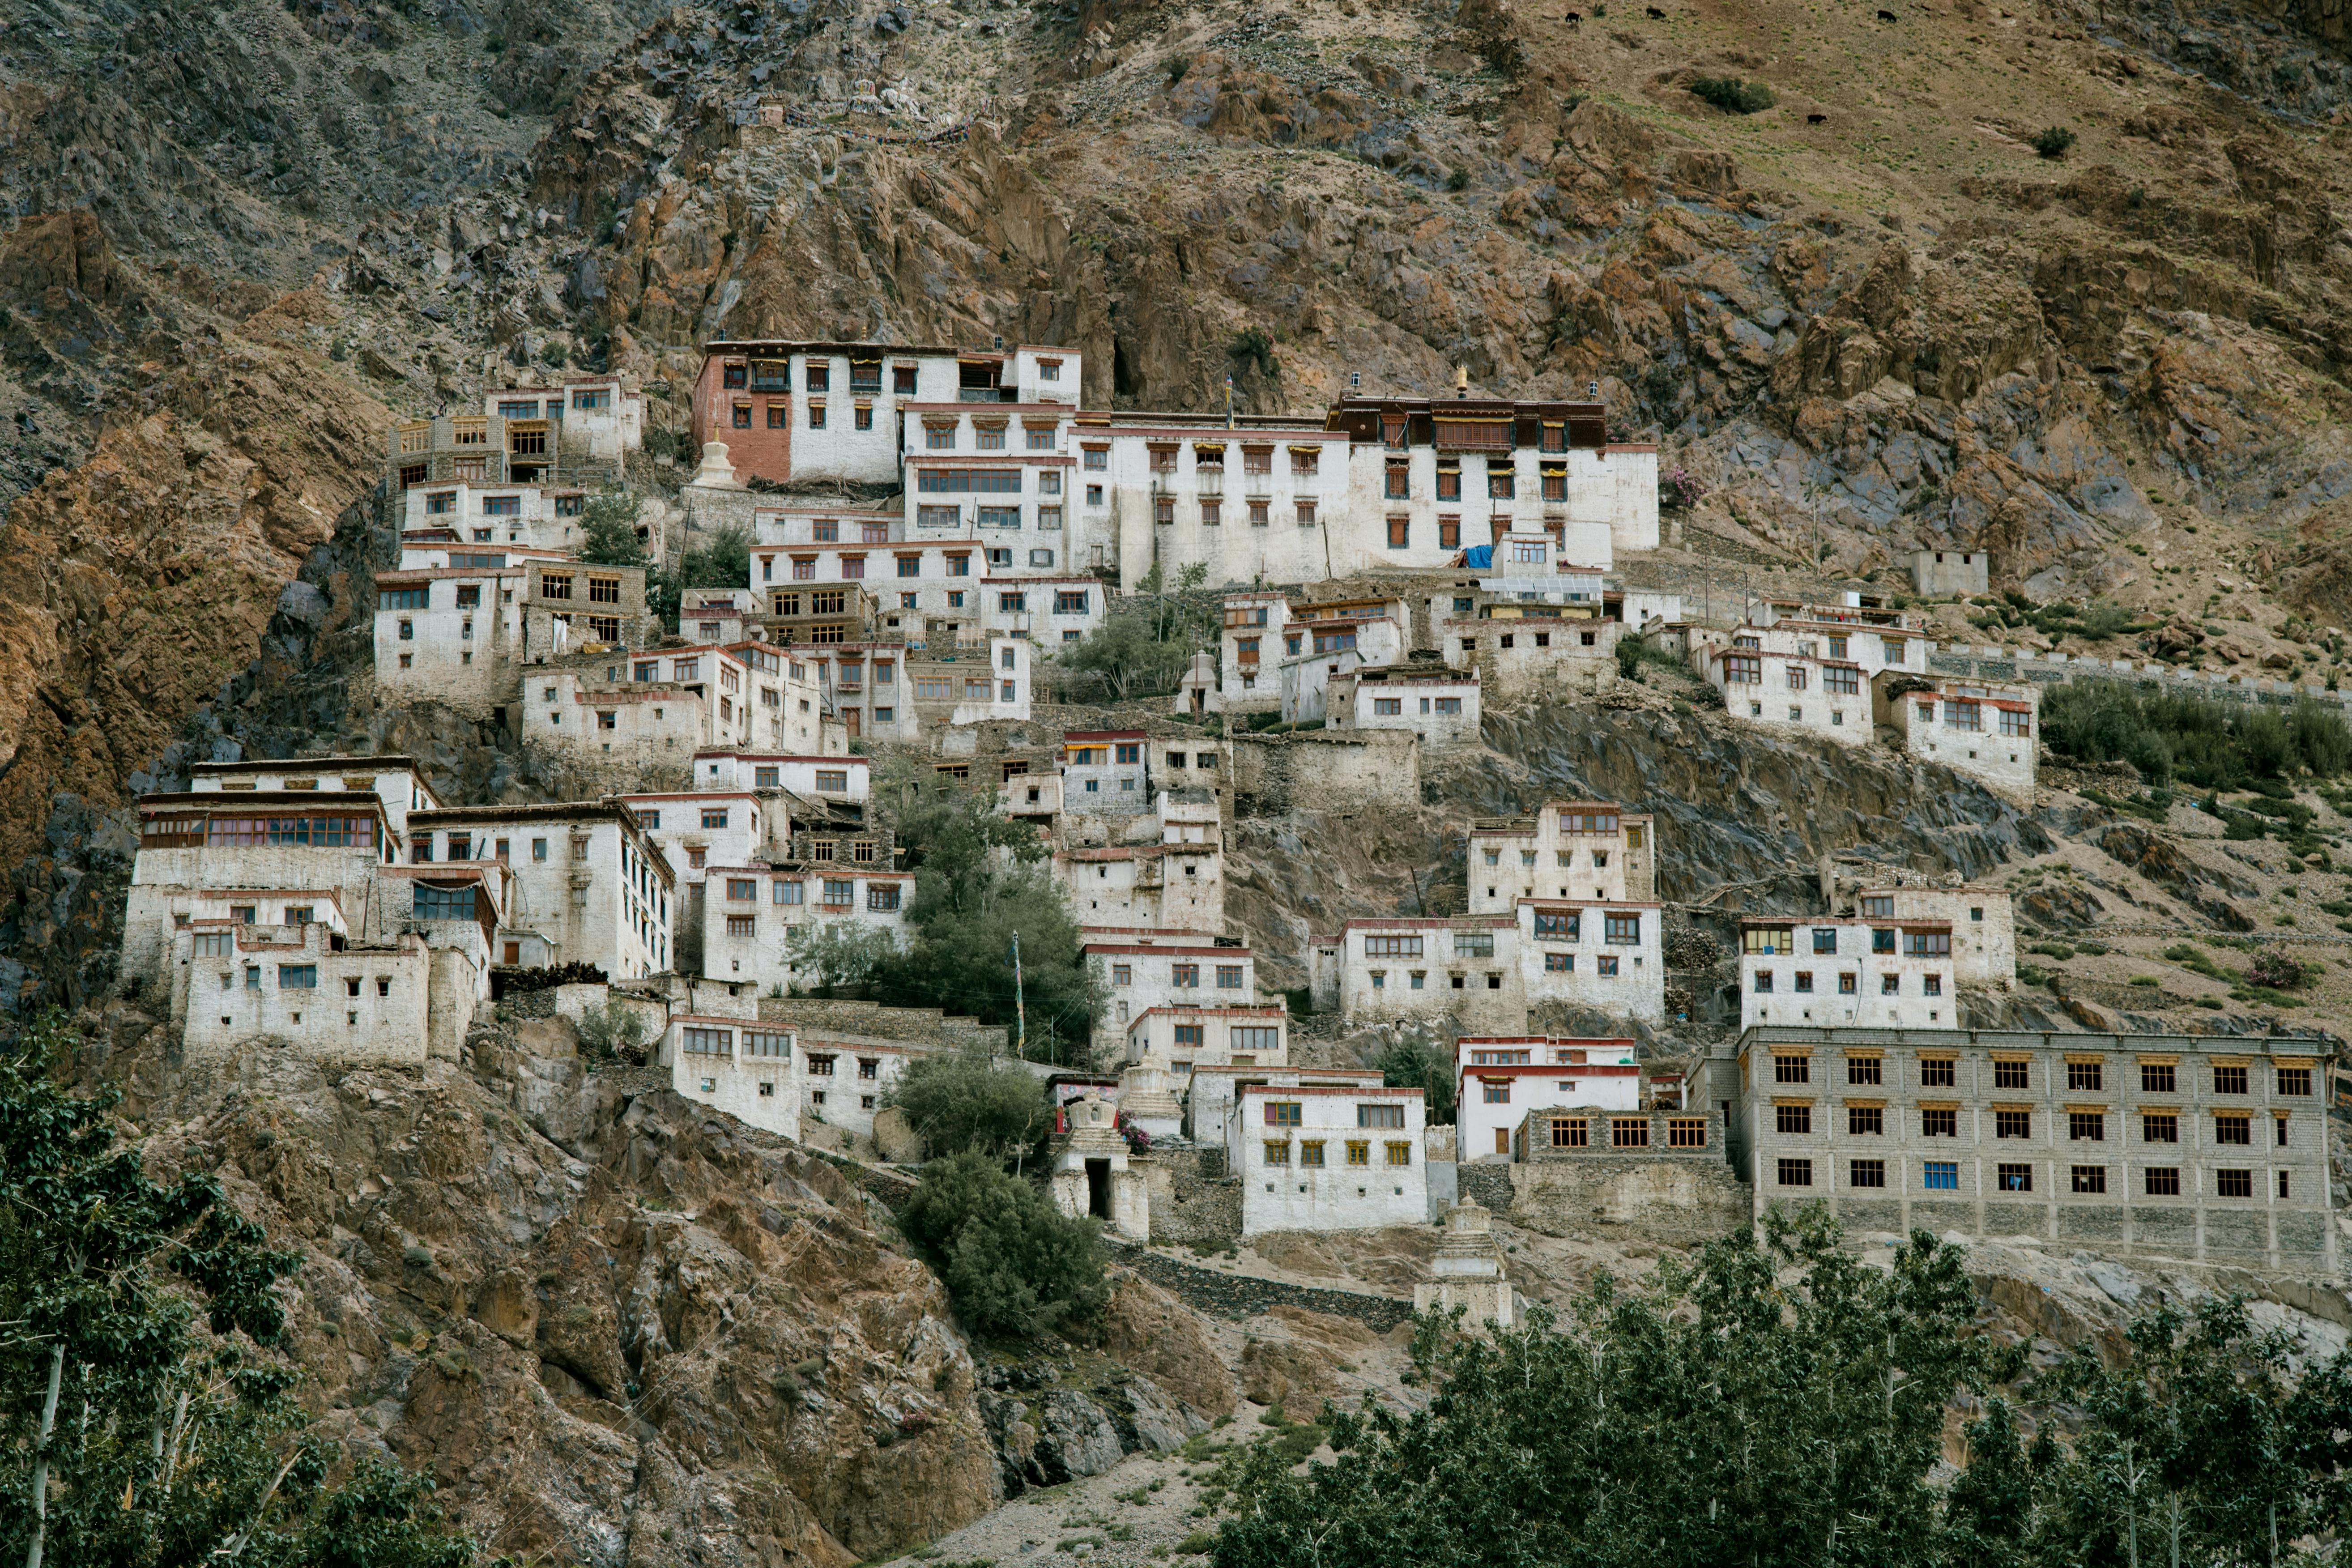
(608, 528)
(1012, 1262)
(1778, 1402)
(1423, 1065)
(966, 1101)
(129, 1437)
(979, 880)
(837, 955)
(1147, 639)
(2203, 1447)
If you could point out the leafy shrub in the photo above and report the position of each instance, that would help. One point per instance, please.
(1013, 1264)
(2276, 971)
(521, 982)
(1734, 95)
(2054, 141)
(1252, 346)
(1423, 1064)
(966, 1103)
(2214, 744)
(612, 1031)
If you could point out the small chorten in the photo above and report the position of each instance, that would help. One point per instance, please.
(1468, 1272)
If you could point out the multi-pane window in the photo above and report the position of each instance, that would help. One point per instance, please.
(1865, 1173)
(2232, 1128)
(1939, 1122)
(1571, 1132)
(2013, 1178)
(1940, 1175)
(2012, 1124)
(1283, 1113)
(2010, 1074)
(2161, 1181)
(2295, 1081)
(2085, 1076)
(2229, 1079)
(1686, 1133)
(1864, 1070)
(1629, 1132)
(2090, 1179)
(2233, 1184)
(1390, 1115)
(1792, 1069)
(1796, 1173)
(2159, 1127)
(1866, 1121)
(1792, 1118)
(2086, 1126)
(1937, 1072)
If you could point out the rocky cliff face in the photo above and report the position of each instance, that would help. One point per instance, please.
(616, 1331)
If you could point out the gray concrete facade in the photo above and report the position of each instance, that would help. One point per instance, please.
(2209, 1149)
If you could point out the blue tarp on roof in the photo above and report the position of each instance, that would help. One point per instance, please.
(1479, 557)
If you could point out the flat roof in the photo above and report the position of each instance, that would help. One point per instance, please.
(2042, 1039)
(286, 765)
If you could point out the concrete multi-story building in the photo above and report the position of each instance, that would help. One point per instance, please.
(1501, 1078)
(590, 884)
(1316, 1159)
(1885, 972)
(1985, 730)
(2203, 1148)
(1591, 850)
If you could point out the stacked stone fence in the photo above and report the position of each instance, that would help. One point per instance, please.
(1982, 663)
(1243, 1296)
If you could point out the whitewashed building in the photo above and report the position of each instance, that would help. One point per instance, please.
(1571, 849)
(588, 418)
(1250, 652)
(393, 779)
(590, 886)
(751, 910)
(241, 985)
(1983, 923)
(744, 1067)
(1440, 706)
(1142, 970)
(810, 776)
(1212, 1097)
(1105, 773)
(1321, 1158)
(1889, 972)
(1984, 730)
(1501, 1078)
(468, 516)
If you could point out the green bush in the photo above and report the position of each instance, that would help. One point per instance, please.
(2053, 142)
(1732, 94)
(2213, 744)
(1424, 1066)
(965, 1103)
(1013, 1264)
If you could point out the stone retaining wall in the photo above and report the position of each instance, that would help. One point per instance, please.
(1239, 1296)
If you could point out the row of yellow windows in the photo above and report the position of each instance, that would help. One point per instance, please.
(1310, 1152)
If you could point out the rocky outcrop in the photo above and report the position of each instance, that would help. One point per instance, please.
(607, 1324)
